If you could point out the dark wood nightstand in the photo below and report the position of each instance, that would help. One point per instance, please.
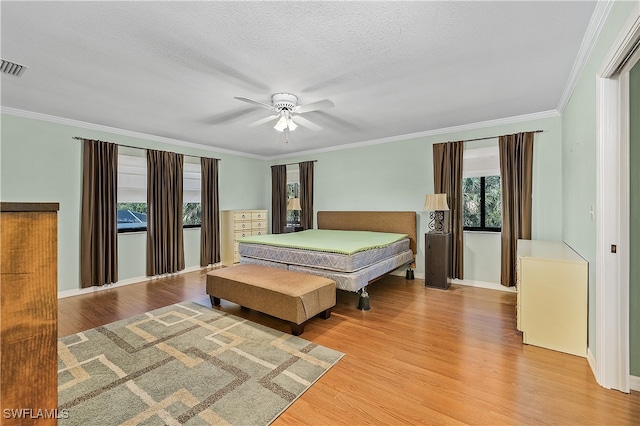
(292, 228)
(437, 263)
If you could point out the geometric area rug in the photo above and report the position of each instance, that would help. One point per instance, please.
(184, 364)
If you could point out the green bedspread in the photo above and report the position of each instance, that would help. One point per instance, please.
(345, 242)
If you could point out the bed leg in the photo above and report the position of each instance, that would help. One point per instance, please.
(363, 301)
(215, 301)
(409, 275)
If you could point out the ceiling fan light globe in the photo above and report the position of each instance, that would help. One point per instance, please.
(281, 124)
(292, 126)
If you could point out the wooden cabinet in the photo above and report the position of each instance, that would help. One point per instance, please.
(292, 228)
(236, 224)
(551, 305)
(437, 263)
(29, 310)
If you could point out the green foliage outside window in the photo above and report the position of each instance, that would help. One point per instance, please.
(482, 203)
(471, 202)
(192, 214)
(134, 207)
(293, 191)
(493, 202)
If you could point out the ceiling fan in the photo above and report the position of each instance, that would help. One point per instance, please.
(285, 108)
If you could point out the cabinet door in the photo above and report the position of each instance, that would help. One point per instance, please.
(437, 260)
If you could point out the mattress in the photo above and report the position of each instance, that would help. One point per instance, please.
(348, 281)
(324, 259)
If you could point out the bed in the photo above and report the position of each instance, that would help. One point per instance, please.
(352, 248)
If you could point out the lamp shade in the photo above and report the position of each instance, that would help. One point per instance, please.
(281, 124)
(435, 202)
(294, 204)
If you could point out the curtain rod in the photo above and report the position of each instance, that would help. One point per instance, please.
(494, 137)
(292, 164)
(136, 147)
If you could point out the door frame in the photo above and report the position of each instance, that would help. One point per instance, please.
(611, 357)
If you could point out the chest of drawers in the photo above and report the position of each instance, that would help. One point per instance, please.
(236, 224)
(551, 307)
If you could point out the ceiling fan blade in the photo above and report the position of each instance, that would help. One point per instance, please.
(314, 106)
(263, 120)
(227, 116)
(251, 101)
(305, 123)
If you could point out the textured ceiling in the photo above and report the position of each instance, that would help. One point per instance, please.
(172, 69)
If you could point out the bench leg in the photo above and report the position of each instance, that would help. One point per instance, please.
(326, 314)
(215, 301)
(297, 329)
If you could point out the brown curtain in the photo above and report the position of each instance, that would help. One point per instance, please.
(209, 235)
(99, 221)
(516, 171)
(165, 246)
(278, 198)
(447, 179)
(306, 194)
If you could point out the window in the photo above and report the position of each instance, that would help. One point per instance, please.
(482, 203)
(481, 189)
(132, 191)
(293, 191)
(192, 207)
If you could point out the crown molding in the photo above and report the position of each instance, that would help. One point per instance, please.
(145, 136)
(99, 127)
(596, 24)
(427, 133)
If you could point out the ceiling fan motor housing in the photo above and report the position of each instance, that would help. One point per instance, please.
(284, 101)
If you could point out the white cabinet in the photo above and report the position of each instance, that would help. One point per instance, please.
(236, 224)
(552, 282)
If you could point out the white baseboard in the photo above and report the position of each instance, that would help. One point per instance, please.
(592, 362)
(128, 281)
(634, 381)
(470, 283)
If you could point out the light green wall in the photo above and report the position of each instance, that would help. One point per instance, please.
(398, 175)
(482, 256)
(41, 162)
(634, 214)
(579, 156)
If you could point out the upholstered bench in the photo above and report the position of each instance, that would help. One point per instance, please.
(288, 295)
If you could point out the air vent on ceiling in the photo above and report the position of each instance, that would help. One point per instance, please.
(12, 68)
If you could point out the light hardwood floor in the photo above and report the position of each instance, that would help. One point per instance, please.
(420, 356)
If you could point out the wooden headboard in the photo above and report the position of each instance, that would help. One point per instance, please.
(398, 222)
